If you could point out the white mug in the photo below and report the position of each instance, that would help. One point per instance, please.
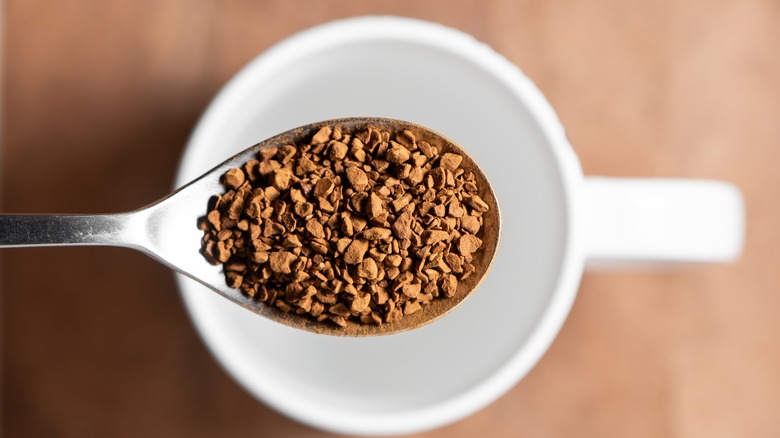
(555, 220)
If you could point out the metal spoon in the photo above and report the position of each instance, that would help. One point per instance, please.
(166, 230)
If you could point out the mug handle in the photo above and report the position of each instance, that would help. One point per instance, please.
(641, 220)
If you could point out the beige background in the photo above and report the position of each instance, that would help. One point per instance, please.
(99, 99)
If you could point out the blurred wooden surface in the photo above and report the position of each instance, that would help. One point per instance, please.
(100, 97)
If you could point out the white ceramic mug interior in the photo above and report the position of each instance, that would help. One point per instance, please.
(446, 80)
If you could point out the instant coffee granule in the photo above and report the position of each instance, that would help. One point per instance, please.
(366, 226)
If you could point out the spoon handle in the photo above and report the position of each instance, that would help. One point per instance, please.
(21, 230)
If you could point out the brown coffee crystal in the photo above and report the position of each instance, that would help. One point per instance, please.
(367, 226)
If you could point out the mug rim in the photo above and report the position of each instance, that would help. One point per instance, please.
(441, 37)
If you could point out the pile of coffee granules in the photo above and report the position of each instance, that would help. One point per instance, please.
(366, 226)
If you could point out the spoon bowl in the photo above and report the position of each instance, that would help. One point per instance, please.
(167, 230)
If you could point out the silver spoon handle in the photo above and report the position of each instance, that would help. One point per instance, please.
(21, 230)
